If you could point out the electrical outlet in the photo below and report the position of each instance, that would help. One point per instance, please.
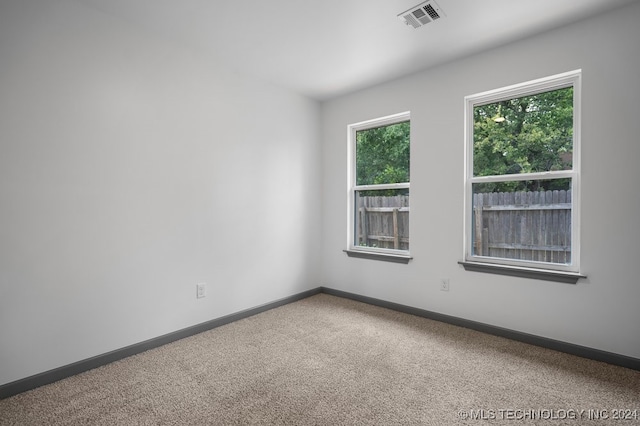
(200, 290)
(444, 284)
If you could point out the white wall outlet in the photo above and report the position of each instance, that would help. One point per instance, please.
(201, 290)
(444, 284)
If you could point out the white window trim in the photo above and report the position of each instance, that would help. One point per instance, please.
(401, 256)
(559, 81)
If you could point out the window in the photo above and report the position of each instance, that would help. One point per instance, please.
(522, 176)
(379, 158)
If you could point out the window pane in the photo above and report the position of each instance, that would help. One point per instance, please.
(382, 219)
(382, 154)
(524, 135)
(524, 224)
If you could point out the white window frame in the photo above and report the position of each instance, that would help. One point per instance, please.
(559, 81)
(353, 249)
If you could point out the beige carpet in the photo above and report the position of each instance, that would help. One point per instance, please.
(332, 361)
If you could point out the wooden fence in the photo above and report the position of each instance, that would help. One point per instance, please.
(524, 225)
(527, 225)
(383, 222)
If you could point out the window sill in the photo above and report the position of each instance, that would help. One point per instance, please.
(516, 271)
(385, 257)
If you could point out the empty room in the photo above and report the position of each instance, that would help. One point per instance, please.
(336, 212)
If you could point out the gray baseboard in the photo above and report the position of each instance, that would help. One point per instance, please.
(569, 348)
(47, 377)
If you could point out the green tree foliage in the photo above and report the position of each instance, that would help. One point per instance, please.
(382, 154)
(524, 135)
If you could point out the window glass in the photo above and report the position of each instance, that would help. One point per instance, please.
(522, 223)
(524, 135)
(382, 154)
(382, 219)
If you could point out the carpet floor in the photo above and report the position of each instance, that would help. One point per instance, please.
(326, 360)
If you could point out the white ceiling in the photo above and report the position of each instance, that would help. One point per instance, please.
(326, 48)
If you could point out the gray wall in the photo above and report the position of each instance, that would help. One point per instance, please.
(599, 312)
(131, 169)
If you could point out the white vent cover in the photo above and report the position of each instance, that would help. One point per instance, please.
(422, 14)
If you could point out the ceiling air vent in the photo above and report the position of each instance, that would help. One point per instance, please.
(422, 14)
